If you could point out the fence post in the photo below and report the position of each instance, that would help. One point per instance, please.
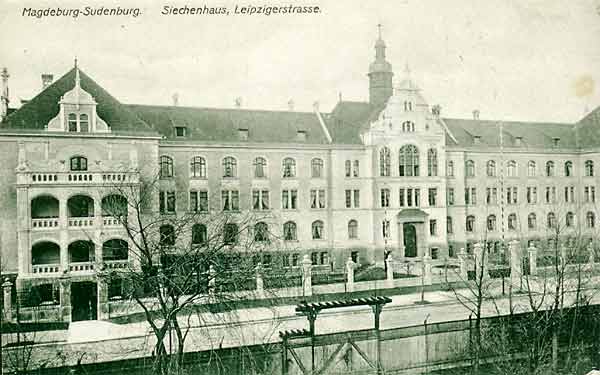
(591, 260)
(306, 276)
(350, 273)
(212, 282)
(260, 287)
(7, 290)
(532, 260)
(65, 297)
(427, 269)
(462, 261)
(103, 303)
(390, 271)
(563, 256)
(515, 263)
(480, 262)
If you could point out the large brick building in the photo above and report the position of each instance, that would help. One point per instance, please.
(367, 179)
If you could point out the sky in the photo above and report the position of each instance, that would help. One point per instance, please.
(537, 60)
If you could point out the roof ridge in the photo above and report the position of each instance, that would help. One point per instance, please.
(220, 108)
(511, 121)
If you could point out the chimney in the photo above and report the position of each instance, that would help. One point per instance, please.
(4, 94)
(175, 99)
(290, 104)
(316, 106)
(238, 102)
(476, 114)
(47, 80)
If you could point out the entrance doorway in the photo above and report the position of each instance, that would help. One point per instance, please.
(410, 240)
(84, 301)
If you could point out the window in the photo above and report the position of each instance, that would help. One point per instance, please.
(490, 168)
(491, 196)
(229, 167)
(352, 198)
(199, 235)
(295, 258)
(407, 106)
(432, 197)
(590, 219)
(348, 167)
(550, 194)
(260, 199)
(432, 162)
(167, 235)
(385, 229)
(230, 200)
(314, 257)
(385, 162)
(531, 194)
(568, 169)
(589, 168)
(72, 122)
(78, 163)
(198, 167)
(531, 221)
(260, 167)
(551, 220)
(166, 167)
(450, 196)
(261, 232)
(531, 169)
(385, 197)
(432, 227)
(317, 168)
(353, 229)
(289, 168)
(317, 198)
(449, 226)
(317, 230)
(180, 131)
(408, 159)
(450, 169)
(289, 199)
(323, 258)
(569, 219)
(289, 231)
(470, 196)
(167, 202)
(550, 168)
(408, 126)
(569, 194)
(230, 233)
(470, 223)
(470, 168)
(243, 134)
(590, 194)
(352, 168)
(511, 195)
(355, 169)
(512, 222)
(84, 123)
(491, 223)
(511, 168)
(199, 201)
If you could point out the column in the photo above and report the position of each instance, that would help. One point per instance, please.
(7, 293)
(390, 271)
(350, 272)
(306, 276)
(65, 298)
(481, 272)
(427, 269)
(103, 303)
(532, 260)
(515, 262)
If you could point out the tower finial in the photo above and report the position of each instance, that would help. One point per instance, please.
(406, 69)
(379, 26)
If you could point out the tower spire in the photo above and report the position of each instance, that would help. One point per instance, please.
(380, 74)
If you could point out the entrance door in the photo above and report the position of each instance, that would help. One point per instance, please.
(84, 301)
(410, 240)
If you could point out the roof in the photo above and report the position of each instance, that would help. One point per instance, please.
(588, 129)
(37, 113)
(347, 121)
(223, 125)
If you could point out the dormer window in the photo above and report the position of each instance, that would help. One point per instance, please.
(556, 142)
(78, 163)
(180, 131)
(84, 124)
(78, 125)
(476, 139)
(72, 122)
(301, 135)
(243, 134)
(518, 141)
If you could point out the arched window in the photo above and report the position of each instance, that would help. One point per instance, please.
(78, 163)
(230, 233)
(531, 221)
(550, 168)
(490, 168)
(167, 235)
(408, 159)
(115, 249)
(385, 229)
(408, 126)
(260, 167)
(229, 167)
(385, 162)
(470, 223)
(570, 219)
(531, 168)
(470, 168)
(512, 222)
(551, 220)
(355, 171)
(317, 230)
(450, 168)
(491, 222)
(316, 168)
(198, 167)
(72, 122)
(84, 124)
(199, 234)
(166, 166)
(568, 169)
(261, 232)
(590, 219)
(407, 106)
(289, 168)
(432, 162)
(589, 168)
(511, 168)
(289, 231)
(353, 229)
(348, 168)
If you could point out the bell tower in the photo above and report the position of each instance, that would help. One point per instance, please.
(380, 75)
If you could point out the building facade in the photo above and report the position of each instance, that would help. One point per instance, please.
(365, 180)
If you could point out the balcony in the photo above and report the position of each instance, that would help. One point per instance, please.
(117, 264)
(81, 267)
(78, 178)
(44, 213)
(81, 256)
(45, 269)
(115, 253)
(50, 223)
(80, 210)
(45, 258)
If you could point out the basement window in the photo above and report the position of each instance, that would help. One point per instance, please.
(180, 131)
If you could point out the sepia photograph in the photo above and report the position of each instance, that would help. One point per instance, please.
(300, 187)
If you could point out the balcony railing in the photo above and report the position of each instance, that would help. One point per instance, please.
(46, 223)
(82, 178)
(45, 268)
(111, 221)
(81, 266)
(81, 222)
(116, 264)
